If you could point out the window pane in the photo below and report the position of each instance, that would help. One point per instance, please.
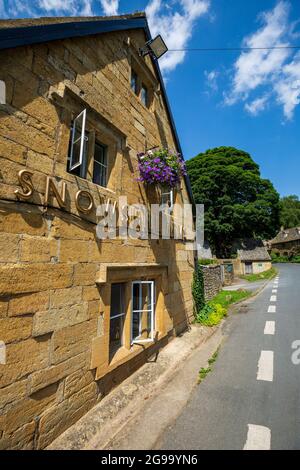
(143, 305)
(167, 198)
(135, 325)
(117, 304)
(134, 82)
(116, 333)
(144, 95)
(136, 297)
(76, 150)
(100, 165)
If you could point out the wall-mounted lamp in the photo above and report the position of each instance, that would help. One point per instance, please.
(156, 47)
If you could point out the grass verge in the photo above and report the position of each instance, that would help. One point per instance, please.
(228, 297)
(216, 309)
(261, 276)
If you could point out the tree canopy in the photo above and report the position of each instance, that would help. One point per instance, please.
(290, 211)
(238, 202)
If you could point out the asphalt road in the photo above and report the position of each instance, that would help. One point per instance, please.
(251, 399)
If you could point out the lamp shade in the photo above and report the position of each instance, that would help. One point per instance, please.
(157, 46)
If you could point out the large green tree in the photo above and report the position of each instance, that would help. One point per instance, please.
(238, 202)
(290, 211)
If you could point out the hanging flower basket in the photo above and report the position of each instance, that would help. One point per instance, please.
(162, 167)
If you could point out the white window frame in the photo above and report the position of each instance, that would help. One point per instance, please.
(140, 311)
(82, 139)
(171, 193)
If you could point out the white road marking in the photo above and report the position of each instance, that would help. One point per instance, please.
(273, 298)
(274, 291)
(272, 309)
(258, 438)
(265, 366)
(269, 328)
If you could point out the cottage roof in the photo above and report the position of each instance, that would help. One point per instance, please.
(287, 235)
(253, 250)
(21, 32)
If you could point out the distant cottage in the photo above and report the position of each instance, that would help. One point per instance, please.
(252, 257)
(286, 242)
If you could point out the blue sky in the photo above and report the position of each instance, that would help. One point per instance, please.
(248, 100)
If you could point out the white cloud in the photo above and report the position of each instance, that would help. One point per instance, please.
(257, 105)
(34, 8)
(69, 7)
(110, 7)
(174, 20)
(211, 79)
(253, 68)
(288, 87)
(268, 69)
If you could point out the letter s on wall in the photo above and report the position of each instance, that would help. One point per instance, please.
(24, 177)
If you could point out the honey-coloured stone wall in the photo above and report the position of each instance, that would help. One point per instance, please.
(52, 310)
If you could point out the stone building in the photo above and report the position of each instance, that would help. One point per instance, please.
(78, 314)
(252, 258)
(286, 242)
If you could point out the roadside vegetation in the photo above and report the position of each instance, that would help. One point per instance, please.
(276, 258)
(212, 312)
(207, 261)
(206, 370)
(261, 276)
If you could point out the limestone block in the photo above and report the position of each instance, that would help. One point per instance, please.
(94, 308)
(13, 392)
(29, 408)
(15, 329)
(42, 378)
(72, 340)
(3, 308)
(85, 274)
(55, 319)
(99, 352)
(9, 247)
(31, 103)
(34, 277)
(74, 251)
(20, 439)
(90, 293)
(22, 359)
(67, 228)
(37, 249)
(46, 71)
(57, 419)
(77, 381)
(18, 131)
(28, 303)
(29, 221)
(63, 297)
(12, 151)
(38, 162)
